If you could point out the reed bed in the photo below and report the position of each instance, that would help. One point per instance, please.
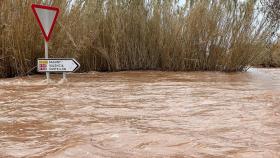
(272, 58)
(118, 35)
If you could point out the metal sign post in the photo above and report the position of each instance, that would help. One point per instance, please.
(47, 56)
(46, 17)
(64, 76)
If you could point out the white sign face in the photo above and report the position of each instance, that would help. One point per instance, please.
(57, 65)
(46, 18)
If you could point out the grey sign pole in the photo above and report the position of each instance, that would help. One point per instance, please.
(47, 56)
(64, 76)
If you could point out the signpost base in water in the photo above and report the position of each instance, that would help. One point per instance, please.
(64, 76)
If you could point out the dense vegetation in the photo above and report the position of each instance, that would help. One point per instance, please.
(115, 35)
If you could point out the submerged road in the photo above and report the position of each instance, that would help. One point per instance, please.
(142, 115)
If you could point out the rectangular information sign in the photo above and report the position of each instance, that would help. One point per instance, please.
(57, 65)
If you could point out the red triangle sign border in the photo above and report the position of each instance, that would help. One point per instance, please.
(34, 6)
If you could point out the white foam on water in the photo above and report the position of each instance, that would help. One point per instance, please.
(62, 81)
(115, 136)
(22, 82)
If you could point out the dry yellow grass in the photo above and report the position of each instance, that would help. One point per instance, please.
(120, 35)
(272, 58)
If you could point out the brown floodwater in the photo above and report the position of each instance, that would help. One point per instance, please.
(142, 115)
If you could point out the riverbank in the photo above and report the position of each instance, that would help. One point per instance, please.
(138, 35)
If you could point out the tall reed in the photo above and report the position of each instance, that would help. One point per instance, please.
(120, 35)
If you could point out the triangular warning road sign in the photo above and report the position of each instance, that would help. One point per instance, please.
(46, 17)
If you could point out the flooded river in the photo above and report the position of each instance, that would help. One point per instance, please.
(142, 115)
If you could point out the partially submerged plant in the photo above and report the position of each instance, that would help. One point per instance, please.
(138, 35)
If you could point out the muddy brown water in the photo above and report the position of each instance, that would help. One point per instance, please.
(142, 114)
